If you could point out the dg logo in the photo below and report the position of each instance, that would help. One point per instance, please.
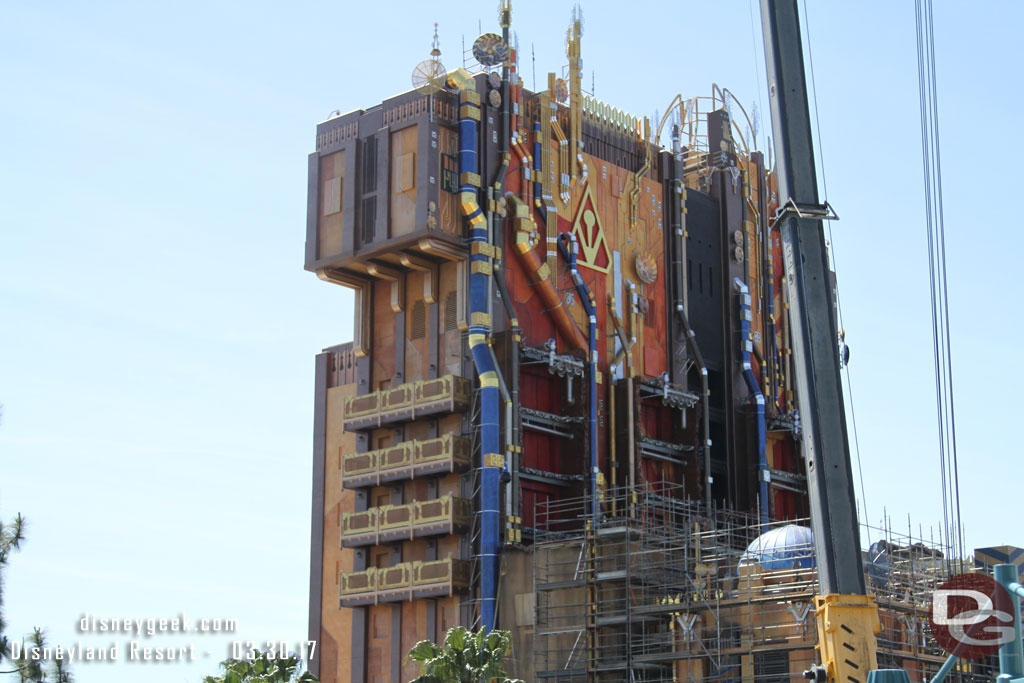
(971, 616)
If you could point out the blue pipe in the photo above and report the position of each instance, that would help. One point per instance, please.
(946, 667)
(590, 307)
(748, 374)
(491, 459)
(1011, 657)
(771, 328)
(538, 188)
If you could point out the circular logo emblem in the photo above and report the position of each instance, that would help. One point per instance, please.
(971, 616)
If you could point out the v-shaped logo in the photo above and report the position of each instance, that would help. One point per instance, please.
(590, 235)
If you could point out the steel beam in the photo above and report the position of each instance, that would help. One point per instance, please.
(819, 387)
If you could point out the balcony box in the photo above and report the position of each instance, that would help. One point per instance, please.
(396, 463)
(359, 528)
(440, 578)
(397, 403)
(360, 469)
(447, 515)
(406, 460)
(362, 411)
(358, 588)
(444, 394)
(407, 402)
(394, 584)
(448, 453)
(405, 581)
(390, 523)
(395, 523)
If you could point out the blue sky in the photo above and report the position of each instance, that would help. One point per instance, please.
(159, 331)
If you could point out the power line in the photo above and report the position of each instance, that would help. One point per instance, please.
(936, 234)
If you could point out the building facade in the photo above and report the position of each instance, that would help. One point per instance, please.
(551, 307)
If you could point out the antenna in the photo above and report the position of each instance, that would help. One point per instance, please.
(490, 50)
(429, 75)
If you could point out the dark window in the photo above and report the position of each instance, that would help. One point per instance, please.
(369, 218)
(370, 164)
(772, 667)
(449, 173)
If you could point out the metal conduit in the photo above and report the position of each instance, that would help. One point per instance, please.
(748, 374)
(491, 460)
(540, 275)
(590, 307)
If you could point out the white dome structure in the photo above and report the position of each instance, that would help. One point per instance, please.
(784, 547)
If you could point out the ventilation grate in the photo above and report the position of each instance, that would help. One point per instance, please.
(451, 311)
(419, 320)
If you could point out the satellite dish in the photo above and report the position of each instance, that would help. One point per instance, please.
(561, 90)
(646, 268)
(428, 77)
(490, 49)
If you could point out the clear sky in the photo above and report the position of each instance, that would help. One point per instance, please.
(159, 332)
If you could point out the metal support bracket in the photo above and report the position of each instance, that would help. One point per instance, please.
(818, 212)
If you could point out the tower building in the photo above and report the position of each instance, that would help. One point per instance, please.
(565, 315)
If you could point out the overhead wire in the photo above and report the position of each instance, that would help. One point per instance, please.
(936, 238)
(943, 288)
(758, 65)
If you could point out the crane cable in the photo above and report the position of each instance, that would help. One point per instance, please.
(839, 303)
(935, 225)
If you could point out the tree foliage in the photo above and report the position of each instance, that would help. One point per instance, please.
(28, 670)
(464, 657)
(262, 668)
(11, 536)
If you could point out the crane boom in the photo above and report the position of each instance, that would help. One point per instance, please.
(847, 618)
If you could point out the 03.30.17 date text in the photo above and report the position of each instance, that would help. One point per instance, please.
(272, 649)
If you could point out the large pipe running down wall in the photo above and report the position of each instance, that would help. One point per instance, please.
(746, 345)
(491, 459)
(567, 245)
(540, 275)
(705, 395)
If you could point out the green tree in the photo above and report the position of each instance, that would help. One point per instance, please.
(11, 536)
(29, 670)
(262, 668)
(464, 657)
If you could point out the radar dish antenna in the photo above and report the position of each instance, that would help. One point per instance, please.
(429, 75)
(490, 49)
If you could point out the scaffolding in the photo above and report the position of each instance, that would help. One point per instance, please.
(661, 588)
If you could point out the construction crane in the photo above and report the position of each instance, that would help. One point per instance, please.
(846, 616)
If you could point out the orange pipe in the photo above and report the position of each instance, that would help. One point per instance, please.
(540, 278)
